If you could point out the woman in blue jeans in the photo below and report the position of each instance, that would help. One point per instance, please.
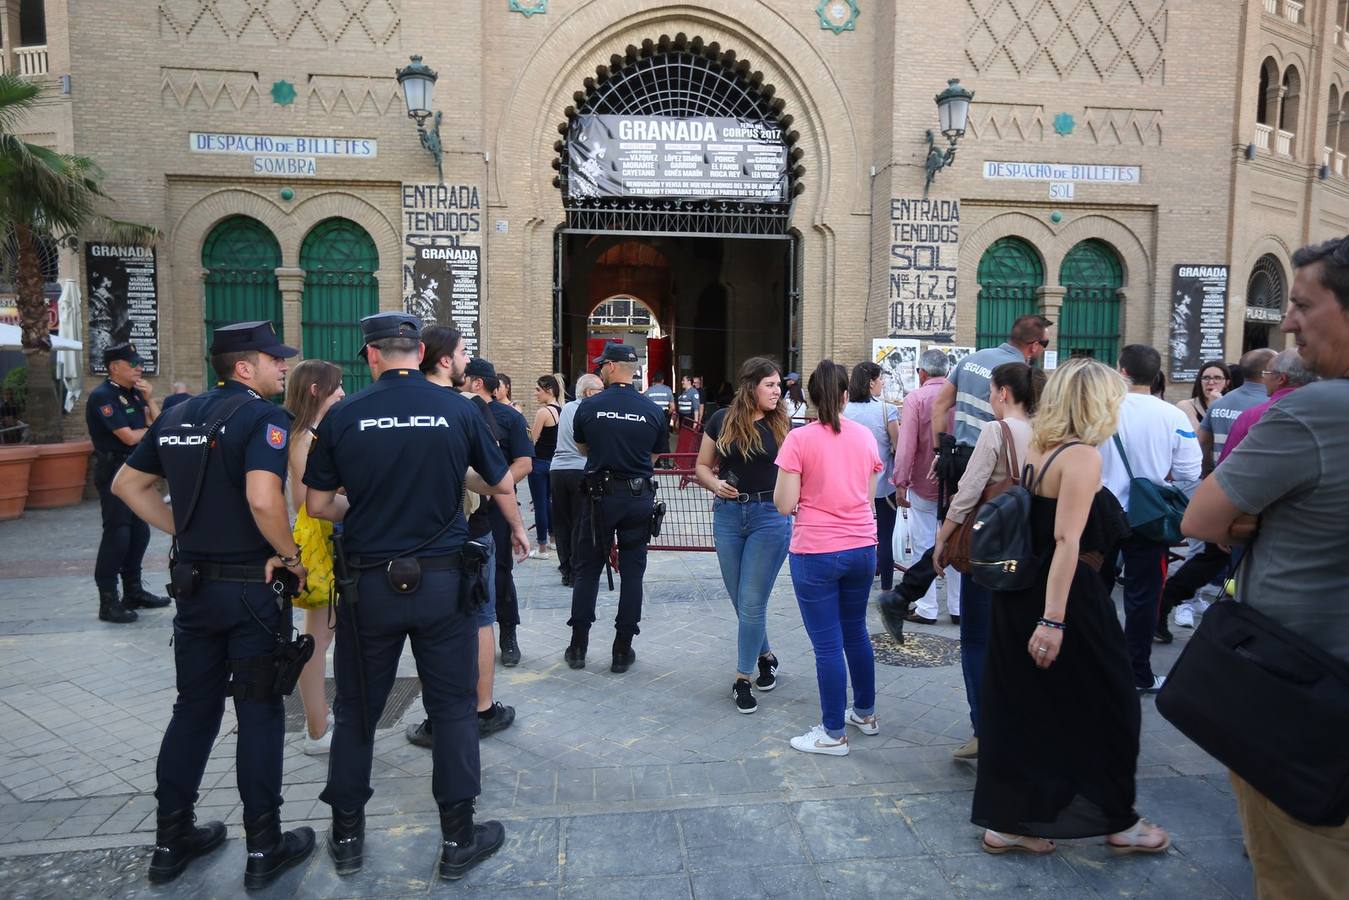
(544, 435)
(751, 535)
(827, 474)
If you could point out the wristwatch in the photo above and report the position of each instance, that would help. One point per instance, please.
(289, 561)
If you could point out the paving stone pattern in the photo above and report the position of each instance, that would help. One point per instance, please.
(647, 784)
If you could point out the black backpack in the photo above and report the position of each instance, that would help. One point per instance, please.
(1001, 555)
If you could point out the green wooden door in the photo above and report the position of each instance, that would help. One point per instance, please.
(339, 261)
(240, 257)
(1089, 324)
(1010, 271)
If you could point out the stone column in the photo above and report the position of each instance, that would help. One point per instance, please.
(291, 282)
(1051, 306)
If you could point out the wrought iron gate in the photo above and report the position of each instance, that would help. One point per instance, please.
(1010, 273)
(339, 260)
(1089, 324)
(240, 257)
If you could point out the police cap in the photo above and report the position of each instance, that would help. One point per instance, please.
(249, 336)
(617, 353)
(480, 368)
(383, 325)
(122, 351)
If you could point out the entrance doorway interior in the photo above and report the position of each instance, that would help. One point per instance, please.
(718, 300)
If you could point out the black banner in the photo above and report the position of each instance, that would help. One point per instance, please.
(123, 300)
(1198, 317)
(445, 287)
(661, 156)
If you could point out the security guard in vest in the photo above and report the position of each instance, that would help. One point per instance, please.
(224, 455)
(621, 433)
(118, 413)
(404, 569)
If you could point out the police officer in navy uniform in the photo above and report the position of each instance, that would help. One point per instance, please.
(621, 433)
(118, 413)
(401, 448)
(232, 542)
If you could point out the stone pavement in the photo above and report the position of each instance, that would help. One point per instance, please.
(642, 785)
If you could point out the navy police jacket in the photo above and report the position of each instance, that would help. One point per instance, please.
(400, 447)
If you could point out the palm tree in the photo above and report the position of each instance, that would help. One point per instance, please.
(45, 193)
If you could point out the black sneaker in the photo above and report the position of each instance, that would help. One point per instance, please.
(1163, 634)
(500, 719)
(419, 734)
(744, 696)
(768, 673)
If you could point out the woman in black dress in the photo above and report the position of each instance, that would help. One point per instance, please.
(1058, 736)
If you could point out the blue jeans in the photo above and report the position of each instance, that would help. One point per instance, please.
(976, 609)
(541, 492)
(832, 590)
(751, 541)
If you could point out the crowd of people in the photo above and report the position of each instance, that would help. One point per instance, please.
(326, 502)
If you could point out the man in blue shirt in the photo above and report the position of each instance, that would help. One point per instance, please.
(118, 413)
(232, 541)
(621, 433)
(400, 448)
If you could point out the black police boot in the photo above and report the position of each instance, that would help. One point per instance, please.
(137, 597)
(464, 844)
(624, 655)
(272, 851)
(178, 841)
(575, 654)
(346, 840)
(510, 650)
(110, 609)
(420, 734)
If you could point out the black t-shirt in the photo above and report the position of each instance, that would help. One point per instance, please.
(758, 472)
(621, 429)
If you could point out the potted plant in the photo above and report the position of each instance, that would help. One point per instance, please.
(16, 462)
(45, 193)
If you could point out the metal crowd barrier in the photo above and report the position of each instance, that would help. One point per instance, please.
(688, 505)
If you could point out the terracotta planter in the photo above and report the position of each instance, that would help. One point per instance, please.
(58, 474)
(16, 461)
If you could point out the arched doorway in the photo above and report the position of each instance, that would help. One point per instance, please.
(725, 292)
(339, 261)
(1010, 274)
(1266, 294)
(240, 256)
(1089, 324)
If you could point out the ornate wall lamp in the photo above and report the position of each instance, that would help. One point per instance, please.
(953, 112)
(418, 82)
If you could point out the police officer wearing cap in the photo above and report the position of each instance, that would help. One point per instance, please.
(400, 448)
(224, 455)
(621, 433)
(118, 413)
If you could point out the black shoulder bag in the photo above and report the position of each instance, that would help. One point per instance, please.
(1002, 554)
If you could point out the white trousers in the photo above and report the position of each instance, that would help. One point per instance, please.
(923, 528)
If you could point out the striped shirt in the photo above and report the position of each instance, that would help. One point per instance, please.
(1224, 412)
(971, 378)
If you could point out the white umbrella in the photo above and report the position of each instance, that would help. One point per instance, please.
(70, 312)
(11, 338)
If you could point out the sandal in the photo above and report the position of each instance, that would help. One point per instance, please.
(1015, 844)
(1135, 836)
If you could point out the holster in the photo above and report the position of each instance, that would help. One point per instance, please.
(657, 517)
(262, 678)
(473, 578)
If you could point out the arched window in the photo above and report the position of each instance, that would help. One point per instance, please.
(1089, 324)
(1266, 294)
(1286, 143)
(1267, 100)
(1010, 272)
(1332, 127)
(240, 257)
(339, 261)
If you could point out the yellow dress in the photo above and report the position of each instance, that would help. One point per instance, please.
(316, 552)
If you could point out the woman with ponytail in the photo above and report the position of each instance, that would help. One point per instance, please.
(827, 474)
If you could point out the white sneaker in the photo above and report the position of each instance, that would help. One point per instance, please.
(817, 740)
(319, 745)
(869, 725)
(1185, 616)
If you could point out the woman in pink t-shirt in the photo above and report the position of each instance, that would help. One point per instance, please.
(827, 473)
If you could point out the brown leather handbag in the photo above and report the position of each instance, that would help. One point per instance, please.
(958, 547)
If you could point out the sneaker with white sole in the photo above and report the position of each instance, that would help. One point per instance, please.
(768, 673)
(1157, 682)
(743, 695)
(1185, 616)
(319, 745)
(867, 725)
(817, 740)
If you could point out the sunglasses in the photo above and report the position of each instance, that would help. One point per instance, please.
(1043, 342)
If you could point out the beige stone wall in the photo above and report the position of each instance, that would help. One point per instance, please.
(1167, 85)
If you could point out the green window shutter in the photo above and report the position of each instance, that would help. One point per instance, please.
(1089, 325)
(240, 257)
(1010, 272)
(339, 261)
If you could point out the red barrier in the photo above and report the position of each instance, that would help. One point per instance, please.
(688, 505)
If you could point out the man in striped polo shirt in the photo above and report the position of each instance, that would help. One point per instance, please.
(966, 391)
(1223, 412)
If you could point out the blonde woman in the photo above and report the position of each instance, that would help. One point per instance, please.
(1059, 716)
(311, 390)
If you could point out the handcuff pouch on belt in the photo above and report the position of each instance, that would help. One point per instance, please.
(404, 574)
(184, 577)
